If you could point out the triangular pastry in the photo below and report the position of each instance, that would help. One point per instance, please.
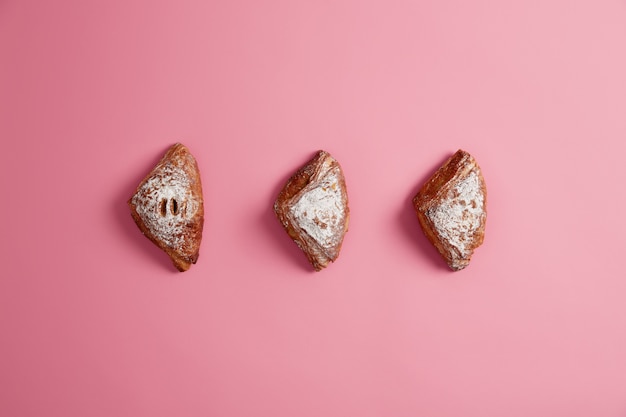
(168, 206)
(313, 209)
(452, 209)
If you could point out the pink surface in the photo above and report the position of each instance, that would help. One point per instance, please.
(96, 322)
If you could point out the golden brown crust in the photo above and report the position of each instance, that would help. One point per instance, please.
(313, 209)
(168, 206)
(452, 209)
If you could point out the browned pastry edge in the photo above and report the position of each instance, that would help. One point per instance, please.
(177, 152)
(431, 193)
(296, 183)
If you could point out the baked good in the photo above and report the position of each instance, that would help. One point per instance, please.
(313, 209)
(168, 206)
(452, 209)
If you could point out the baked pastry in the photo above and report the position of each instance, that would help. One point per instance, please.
(452, 209)
(168, 206)
(313, 209)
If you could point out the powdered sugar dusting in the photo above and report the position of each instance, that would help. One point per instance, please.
(165, 204)
(320, 211)
(460, 214)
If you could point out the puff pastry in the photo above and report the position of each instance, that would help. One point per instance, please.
(452, 209)
(168, 206)
(313, 209)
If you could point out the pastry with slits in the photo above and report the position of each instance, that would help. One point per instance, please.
(168, 206)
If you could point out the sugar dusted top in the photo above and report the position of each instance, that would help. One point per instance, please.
(320, 210)
(460, 214)
(165, 204)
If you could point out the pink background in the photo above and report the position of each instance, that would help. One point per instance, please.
(95, 321)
